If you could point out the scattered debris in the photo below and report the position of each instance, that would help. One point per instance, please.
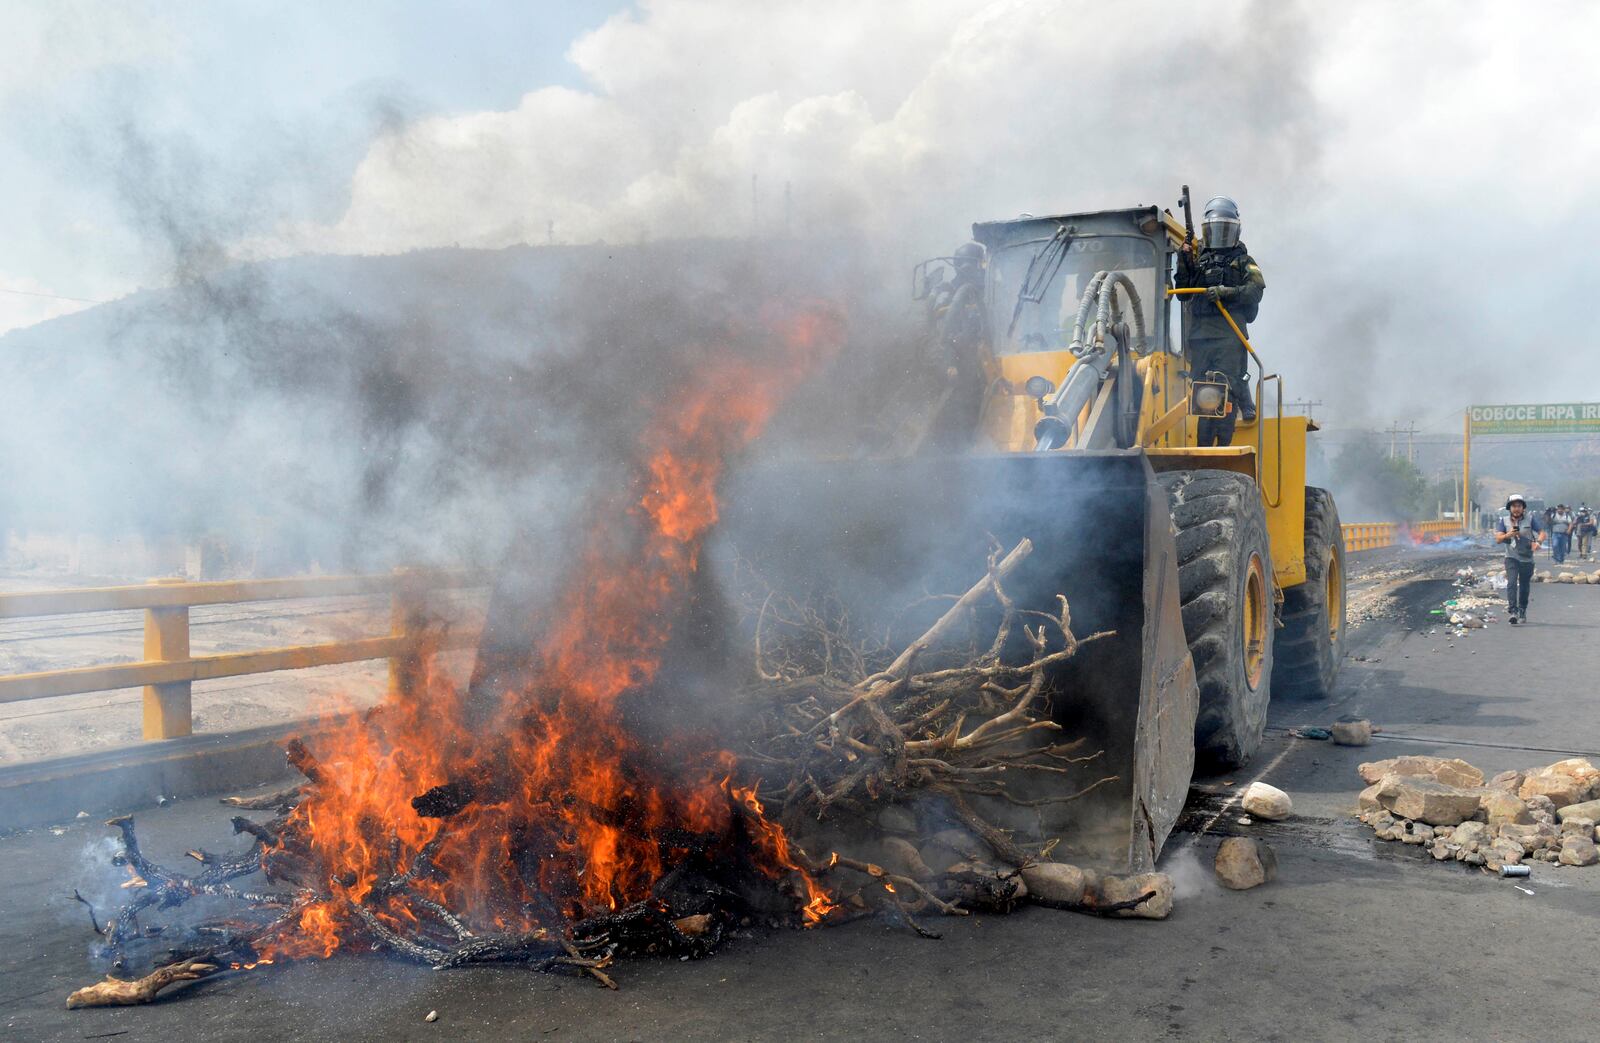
(1589, 809)
(114, 992)
(1423, 799)
(1501, 825)
(1268, 802)
(1454, 771)
(1565, 782)
(1319, 734)
(1147, 896)
(433, 1016)
(1579, 851)
(1243, 863)
(1352, 732)
(1547, 576)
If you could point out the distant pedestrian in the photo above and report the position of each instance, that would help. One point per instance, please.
(1586, 530)
(1522, 533)
(1561, 525)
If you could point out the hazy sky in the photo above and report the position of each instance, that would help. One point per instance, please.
(275, 103)
(1413, 176)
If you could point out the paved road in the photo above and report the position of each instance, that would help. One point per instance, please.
(1356, 940)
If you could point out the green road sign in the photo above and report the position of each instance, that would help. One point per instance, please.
(1580, 418)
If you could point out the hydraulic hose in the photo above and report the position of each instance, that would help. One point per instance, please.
(1093, 361)
(1107, 291)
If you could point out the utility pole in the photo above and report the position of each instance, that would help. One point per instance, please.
(1303, 405)
(1410, 431)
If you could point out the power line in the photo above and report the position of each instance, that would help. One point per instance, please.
(51, 296)
(1497, 440)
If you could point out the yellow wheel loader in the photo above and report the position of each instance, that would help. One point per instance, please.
(1070, 418)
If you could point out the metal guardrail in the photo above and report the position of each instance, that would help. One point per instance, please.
(168, 671)
(1368, 536)
(1372, 535)
(1435, 530)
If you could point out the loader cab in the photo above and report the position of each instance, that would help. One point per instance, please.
(1039, 270)
(1039, 267)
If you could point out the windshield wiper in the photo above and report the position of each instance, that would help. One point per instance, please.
(1042, 271)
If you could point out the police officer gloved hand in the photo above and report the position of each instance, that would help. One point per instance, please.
(1221, 293)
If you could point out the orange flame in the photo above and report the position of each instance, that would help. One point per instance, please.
(567, 824)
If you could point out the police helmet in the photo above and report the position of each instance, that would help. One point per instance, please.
(1220, 227)
(969, 255)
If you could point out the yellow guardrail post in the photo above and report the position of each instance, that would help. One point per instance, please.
(405, 621)
(168, 708)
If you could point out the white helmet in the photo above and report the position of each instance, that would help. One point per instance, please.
(1516, 498)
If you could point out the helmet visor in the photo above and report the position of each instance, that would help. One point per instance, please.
(1220, 232)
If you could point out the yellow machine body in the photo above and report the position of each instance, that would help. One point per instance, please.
(1019, 442)
(1271, 449)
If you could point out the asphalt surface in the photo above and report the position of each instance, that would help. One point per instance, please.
(1355, 940)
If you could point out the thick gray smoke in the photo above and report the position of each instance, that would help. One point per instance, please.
(361, 413)
(1396, 215)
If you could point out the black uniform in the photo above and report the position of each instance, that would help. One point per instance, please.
(1211, 343)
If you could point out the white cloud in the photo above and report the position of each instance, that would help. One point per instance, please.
(878, 114)
(1411, 175)
(48, 42)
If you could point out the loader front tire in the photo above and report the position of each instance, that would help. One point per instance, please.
(1310, 646)
(1225, 587)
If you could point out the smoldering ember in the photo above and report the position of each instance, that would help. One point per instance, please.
(695, 520)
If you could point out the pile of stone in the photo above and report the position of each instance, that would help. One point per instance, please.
(1546, 576)
(1539, 815)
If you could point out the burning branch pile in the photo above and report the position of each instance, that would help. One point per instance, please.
(944, 723)
(532, 822)
(525, 822)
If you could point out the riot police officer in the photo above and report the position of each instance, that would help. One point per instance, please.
(1227, 272)
(968, 264)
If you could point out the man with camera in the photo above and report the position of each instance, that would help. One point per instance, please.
(1522, 533)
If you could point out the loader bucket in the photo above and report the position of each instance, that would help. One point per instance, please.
(879, 535)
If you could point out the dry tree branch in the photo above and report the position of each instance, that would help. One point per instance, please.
(893, 677)
(115, 992)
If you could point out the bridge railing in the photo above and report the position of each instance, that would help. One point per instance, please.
(168, 670)
(1362, 536)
